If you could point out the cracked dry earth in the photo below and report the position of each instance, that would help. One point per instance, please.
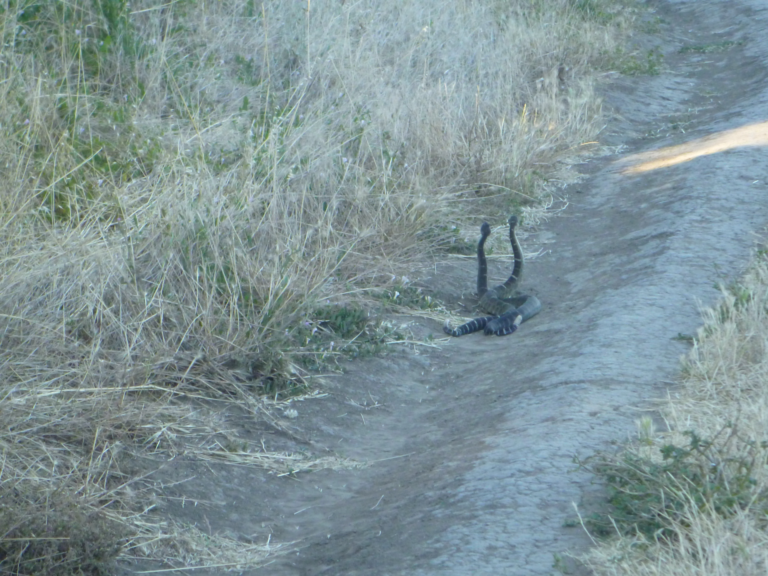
(470, 446)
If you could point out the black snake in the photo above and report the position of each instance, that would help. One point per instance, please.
(509, 310)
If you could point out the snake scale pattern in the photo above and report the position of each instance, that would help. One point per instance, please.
(508, 310)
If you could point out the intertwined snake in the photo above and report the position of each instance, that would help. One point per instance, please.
(509, 311)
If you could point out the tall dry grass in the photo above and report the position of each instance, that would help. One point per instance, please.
(707, 474)
(184, 183)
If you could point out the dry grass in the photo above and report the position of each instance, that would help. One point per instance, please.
(190, 188)
(710, 487)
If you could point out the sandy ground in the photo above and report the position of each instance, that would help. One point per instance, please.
(471, 446)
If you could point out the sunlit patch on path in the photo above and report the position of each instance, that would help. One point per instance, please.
(750, 135)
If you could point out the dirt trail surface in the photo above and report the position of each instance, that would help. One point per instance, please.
(470, 446)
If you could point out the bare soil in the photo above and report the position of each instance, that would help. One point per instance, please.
(470, 446)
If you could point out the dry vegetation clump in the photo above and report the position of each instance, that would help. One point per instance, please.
(196, 196)
(693, 501)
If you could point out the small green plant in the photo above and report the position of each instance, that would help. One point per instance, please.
(596, 11)
(247, 72)
(649, 495)
(408, 296)
(634, 65)
(88, 30)
(741, 294)
(562, 564)
(709, 48)
(344, 321)
(652, 25)
(681, 337)
(341, 330)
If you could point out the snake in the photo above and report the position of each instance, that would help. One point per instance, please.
(507, 308)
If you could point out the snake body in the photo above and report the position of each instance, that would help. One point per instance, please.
(508, 310)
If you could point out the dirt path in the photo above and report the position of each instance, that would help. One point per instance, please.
(472, 445)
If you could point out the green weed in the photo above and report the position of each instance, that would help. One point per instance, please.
(341, 331)
(344, 321)
(651, 25)
(597, 11)
(684, 338)
(650, 495)
(709, 48)
(409, 297)
(637, 65)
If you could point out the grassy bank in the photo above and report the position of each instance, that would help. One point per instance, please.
(199, 198)
(693, 500)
